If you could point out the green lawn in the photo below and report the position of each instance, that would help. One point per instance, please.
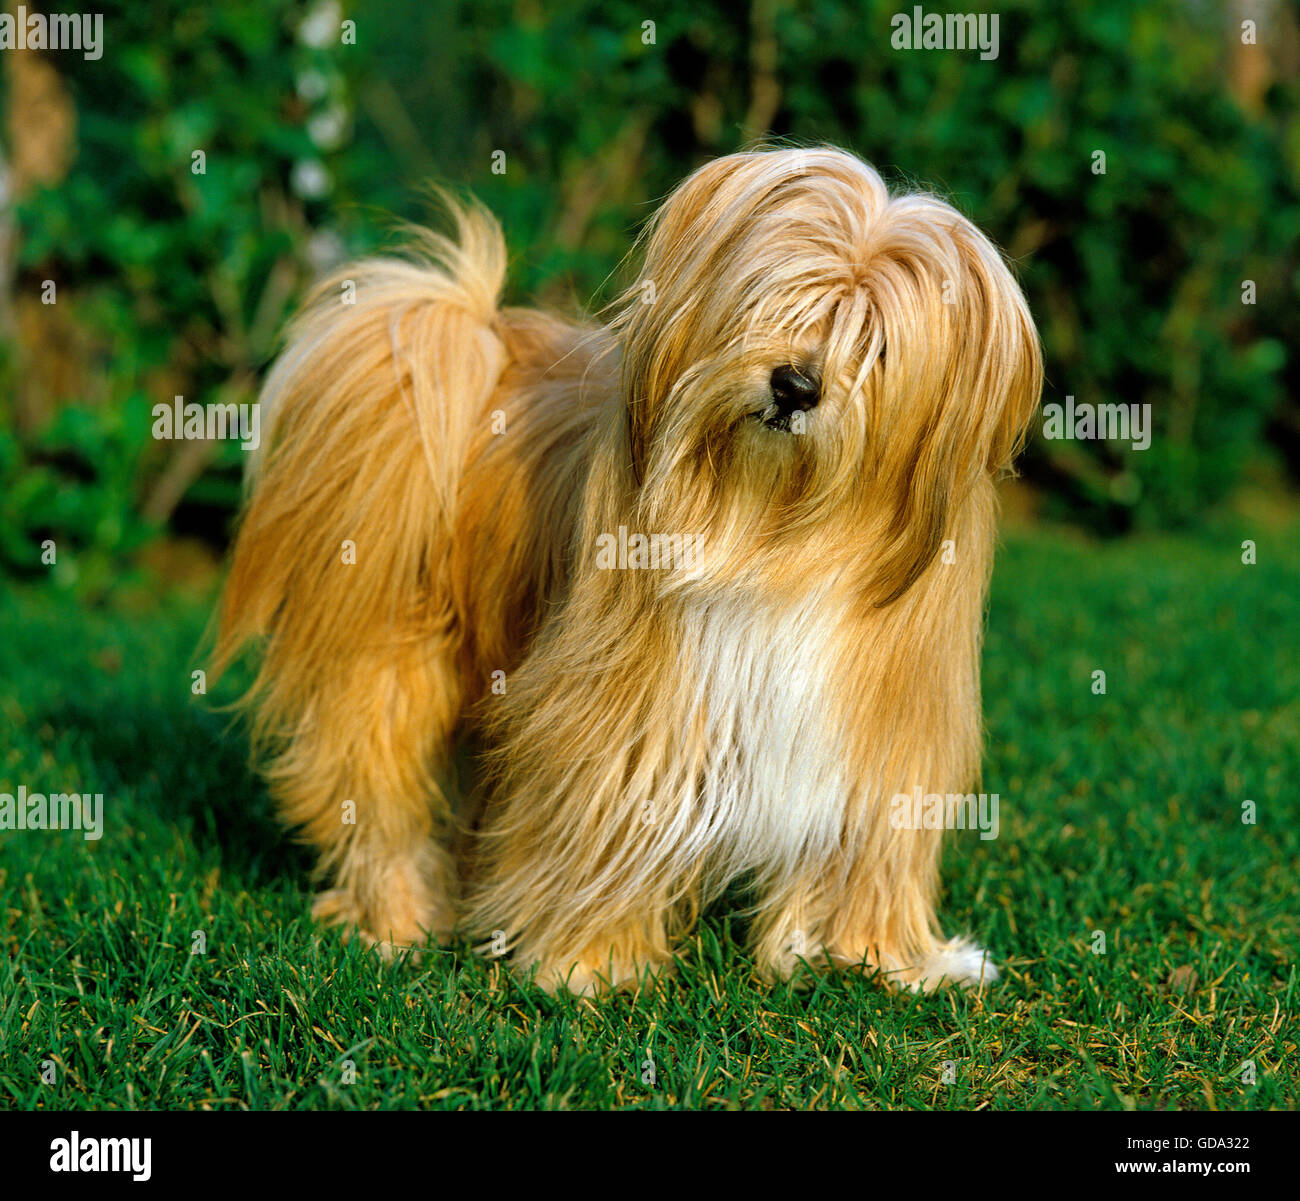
(1120, 813)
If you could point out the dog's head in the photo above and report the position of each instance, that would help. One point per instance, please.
(803, 346)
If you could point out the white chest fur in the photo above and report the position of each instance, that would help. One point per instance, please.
(774, 786)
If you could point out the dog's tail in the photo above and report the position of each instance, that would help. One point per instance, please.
(342, 555)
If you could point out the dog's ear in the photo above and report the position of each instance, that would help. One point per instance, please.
(660, 317)
(961, 377)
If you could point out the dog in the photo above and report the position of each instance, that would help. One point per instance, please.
(705, 582)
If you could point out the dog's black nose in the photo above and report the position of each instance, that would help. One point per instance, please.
(794, 390)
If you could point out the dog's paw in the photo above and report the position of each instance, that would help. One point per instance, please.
(397, 923)
(592, 974)
(958, 962)
(585, 981)
(338, 908)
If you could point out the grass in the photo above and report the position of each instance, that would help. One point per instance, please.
(1121, 813)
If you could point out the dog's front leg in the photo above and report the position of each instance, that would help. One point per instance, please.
(578, 923)
(884, 919)
(575, 877)
(871, 911)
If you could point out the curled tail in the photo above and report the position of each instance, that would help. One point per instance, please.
(341, 559)
(367, 416)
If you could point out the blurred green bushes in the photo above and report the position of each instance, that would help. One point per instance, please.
(180, 282)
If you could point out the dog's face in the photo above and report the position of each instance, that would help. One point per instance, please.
(803, 349)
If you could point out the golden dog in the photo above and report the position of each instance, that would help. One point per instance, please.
(707, 581)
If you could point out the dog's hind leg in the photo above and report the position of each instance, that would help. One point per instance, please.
(360, 778)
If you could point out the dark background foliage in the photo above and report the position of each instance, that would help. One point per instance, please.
(176, 283)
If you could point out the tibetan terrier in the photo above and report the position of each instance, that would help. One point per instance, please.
(705, 583)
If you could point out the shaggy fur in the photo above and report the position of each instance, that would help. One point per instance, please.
(420, 556)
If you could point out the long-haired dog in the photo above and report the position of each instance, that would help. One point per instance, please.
(707, 582)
